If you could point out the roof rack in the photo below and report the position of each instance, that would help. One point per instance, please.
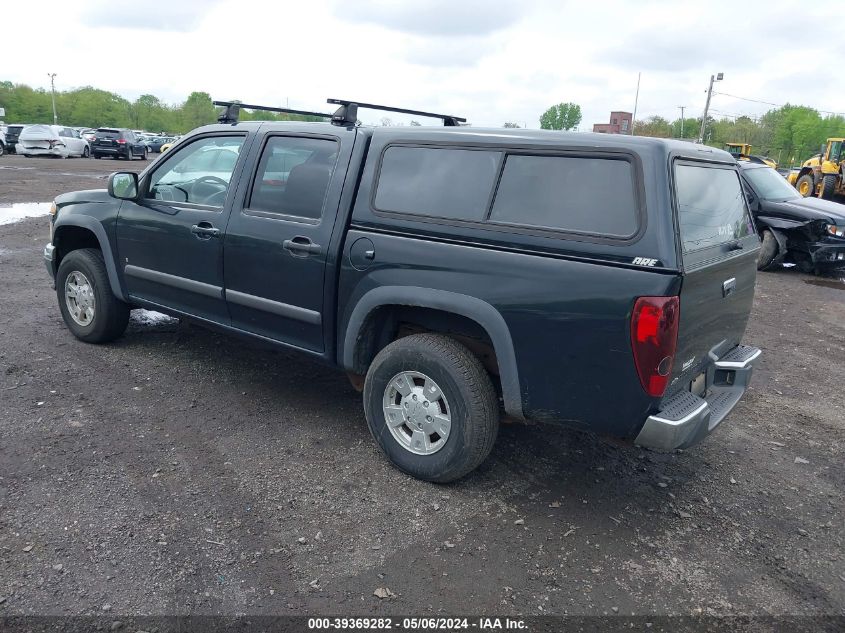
(347, 113)
(232, 111)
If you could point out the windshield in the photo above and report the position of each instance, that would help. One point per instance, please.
(835, 151)
(770, 185)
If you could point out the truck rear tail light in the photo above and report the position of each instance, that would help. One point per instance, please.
(654, 337)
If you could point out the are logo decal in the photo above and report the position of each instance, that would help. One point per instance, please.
(644, 261)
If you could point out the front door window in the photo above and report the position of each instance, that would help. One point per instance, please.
(198, 173)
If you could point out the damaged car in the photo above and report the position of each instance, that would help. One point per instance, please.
(807, 232)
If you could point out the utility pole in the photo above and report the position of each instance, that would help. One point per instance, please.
(718, 77)
(682, 120)
(636, 100)
(52, 77)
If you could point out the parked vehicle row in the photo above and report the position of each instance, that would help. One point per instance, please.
(65, 142)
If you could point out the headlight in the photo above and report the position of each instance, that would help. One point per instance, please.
(53, 208)
(838, 231)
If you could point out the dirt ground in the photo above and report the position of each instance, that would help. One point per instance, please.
(180, 471)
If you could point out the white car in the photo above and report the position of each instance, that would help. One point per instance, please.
(51, 140)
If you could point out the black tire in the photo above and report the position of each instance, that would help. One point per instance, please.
(2, 149)
(128, 153)
(110, 313)
(473, 405)
(144, 154)
(828, 187)
(97, 156)
(811, 188)
(769, 251)
(86, 152)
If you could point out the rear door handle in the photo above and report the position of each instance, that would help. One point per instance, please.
(205, 230)
(301, 246)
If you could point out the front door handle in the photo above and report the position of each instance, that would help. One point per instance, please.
(205, 230)
(301, 246)
(728, 287)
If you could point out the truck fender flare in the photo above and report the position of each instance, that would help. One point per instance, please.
(91, 224)
(470, 307)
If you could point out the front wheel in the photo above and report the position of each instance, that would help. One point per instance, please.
(828, 187)
(805, 185)
(144, 154)
(431, 407)
(89, 308)
(768, 250)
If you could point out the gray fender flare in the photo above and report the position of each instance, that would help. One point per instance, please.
(471, 307)
(93, 225)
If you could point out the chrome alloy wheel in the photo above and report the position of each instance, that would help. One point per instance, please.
(417, 413)
(79, 298)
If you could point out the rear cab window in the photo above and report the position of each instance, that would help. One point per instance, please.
(712, 214)
(497, 189)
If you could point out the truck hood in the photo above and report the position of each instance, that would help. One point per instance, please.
(805, 210)
(77, 197)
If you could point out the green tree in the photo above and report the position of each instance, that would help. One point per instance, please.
(655, 126)
(563, 116)
(196, 111)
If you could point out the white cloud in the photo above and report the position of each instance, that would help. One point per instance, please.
(489, 61)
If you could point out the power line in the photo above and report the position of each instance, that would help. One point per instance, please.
(777, 105)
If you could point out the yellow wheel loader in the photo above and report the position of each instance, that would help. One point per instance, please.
(822, 174)
(742, 151)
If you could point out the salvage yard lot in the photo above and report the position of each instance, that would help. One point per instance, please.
(181, 471)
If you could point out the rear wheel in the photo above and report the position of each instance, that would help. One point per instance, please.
(805, 185)
(86, 152)
(97, 156)
(89, 308)
(828, 187)
(768, 251)
(431, 407)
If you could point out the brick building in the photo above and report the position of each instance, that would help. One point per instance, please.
(620, 123)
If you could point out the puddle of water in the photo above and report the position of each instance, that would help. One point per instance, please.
(17, 211)
(836, 284)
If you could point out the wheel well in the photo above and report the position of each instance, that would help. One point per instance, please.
(72, 238)
(386, 324)
(805, 171)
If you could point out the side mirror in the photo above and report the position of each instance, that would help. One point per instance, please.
(123, 185)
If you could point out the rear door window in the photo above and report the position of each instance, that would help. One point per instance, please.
(568, 193)
(293, 176)
(711, 206)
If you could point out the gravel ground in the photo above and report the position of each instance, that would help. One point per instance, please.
(180, 471)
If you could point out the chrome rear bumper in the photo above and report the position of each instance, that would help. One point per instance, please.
(685, 419)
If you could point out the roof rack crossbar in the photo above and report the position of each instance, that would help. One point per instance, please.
(347, 106)
(232, 111)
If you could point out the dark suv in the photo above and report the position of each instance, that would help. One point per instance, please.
(117, 143)
(13, 133)
(599, 281)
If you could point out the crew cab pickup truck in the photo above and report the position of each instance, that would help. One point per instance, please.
(457, 274)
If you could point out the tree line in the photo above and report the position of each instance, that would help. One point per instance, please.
(91, 107)
(789, 134)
